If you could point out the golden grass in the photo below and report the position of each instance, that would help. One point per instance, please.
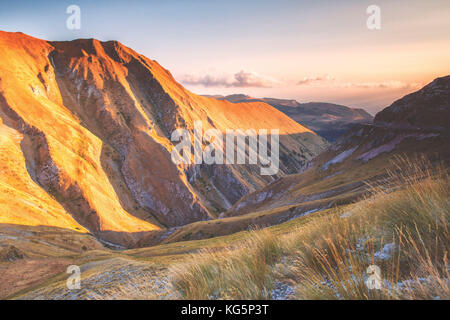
(328, 257)
(238, 272)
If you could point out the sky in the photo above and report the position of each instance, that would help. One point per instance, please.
(318, 50)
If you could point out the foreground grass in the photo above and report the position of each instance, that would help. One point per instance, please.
(237, 272)
(402, 229)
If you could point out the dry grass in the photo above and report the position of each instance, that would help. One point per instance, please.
(327, 258)
(238, 272)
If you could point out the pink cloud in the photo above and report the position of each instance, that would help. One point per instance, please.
(241, 79)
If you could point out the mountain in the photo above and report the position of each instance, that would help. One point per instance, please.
(412, 127)
(86, 141)
(326, 119)
(426, 108)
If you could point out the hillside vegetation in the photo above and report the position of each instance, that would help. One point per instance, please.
(402, 228)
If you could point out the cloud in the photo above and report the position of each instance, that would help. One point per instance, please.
(381, 85)
(247, 79)
(314, 80)
(252, 79)
(241, 79)
(330, 82)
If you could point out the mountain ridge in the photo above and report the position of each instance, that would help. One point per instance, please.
(425, 108)
(318, 116)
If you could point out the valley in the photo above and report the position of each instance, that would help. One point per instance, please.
(87, 179)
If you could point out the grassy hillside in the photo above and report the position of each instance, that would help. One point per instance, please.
(403, 232)
(401, 227)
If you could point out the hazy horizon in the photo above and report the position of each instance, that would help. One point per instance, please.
(302, 50)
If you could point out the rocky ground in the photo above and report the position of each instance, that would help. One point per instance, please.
(115, 278)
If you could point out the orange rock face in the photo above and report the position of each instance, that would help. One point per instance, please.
(85, 139)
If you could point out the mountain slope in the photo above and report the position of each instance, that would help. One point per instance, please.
(61, 156)
(426, 108)
(23, 201)
(326, 119)
(92, 123)
(363, 154)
